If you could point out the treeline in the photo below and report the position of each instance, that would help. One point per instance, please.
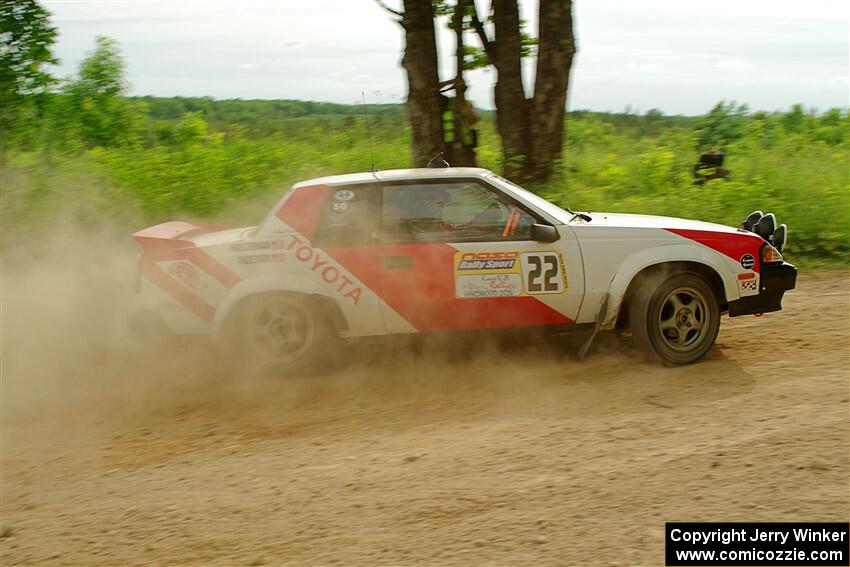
(89, 114)
(259, 117)
(795, 164)
(84, 151)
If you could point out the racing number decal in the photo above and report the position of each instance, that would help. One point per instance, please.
(508, 273)
(542, 273)
(547, 283)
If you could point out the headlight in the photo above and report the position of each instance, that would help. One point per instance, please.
(770, 255)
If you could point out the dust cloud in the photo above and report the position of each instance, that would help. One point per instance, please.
(68, 354)
(502, 452)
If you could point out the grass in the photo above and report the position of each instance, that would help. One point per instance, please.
(619, 163)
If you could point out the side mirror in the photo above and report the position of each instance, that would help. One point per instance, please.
(544, 233)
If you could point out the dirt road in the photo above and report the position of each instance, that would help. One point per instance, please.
(527, 458)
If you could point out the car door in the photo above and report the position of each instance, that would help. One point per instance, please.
(458, 255)
(348, 267)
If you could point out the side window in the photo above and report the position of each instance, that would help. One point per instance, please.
(347, 216)
(450, 212)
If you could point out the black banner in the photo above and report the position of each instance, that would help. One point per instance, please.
(754, 543)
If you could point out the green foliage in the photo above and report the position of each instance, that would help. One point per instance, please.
(797, 169)
(200, 173)
(229, 161)
(260, 118)
(442, 8)
(474, 56)
(101, 72)
(724, 125)
(25, 40)
(91, 155)
(94, 103)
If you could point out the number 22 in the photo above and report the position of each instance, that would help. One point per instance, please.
(540, 280)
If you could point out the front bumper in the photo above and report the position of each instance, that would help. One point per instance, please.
(776, 279)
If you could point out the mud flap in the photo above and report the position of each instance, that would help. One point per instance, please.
(600, 319)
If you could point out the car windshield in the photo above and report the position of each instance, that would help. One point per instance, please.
(551, 209)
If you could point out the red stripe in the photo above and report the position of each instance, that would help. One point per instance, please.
(178, 291)
(213, 267)
(424, 294)
(186, 250)
(302, 209)
(733, 245)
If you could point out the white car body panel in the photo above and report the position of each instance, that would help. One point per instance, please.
(204, 272)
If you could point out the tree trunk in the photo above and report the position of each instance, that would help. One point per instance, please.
(555, 53)
(423, 99)
(462, 155)
(511, 104)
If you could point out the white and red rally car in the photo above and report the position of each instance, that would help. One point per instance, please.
(455, 249)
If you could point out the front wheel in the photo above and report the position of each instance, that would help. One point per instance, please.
(278, 334)
(675, 320)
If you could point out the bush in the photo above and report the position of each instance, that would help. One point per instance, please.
(794, 164)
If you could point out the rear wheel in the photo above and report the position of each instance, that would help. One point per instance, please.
(279, 334)
(675, 319)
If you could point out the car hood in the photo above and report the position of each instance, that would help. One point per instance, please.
(620, 220)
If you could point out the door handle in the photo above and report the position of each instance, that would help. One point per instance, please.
(396, 262)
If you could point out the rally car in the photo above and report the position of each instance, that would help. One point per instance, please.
(389, 253)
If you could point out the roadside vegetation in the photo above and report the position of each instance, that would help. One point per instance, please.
(87, 155)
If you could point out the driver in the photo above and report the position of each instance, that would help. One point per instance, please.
(420, 211)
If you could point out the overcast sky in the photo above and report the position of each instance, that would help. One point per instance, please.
(680, 56)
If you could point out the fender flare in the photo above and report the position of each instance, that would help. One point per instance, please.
(263, 284)
(639, 261)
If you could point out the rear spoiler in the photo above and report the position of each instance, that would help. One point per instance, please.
(173, 234)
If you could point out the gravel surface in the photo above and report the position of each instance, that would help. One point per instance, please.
(111, 456)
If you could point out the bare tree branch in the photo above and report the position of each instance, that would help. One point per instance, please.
(383, 5)
(478, 26)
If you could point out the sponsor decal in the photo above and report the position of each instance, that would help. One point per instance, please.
(489, 285)
(339, 207)
(748, 261)
(316, 263)
(509, 274)
(344, 195)
(185, 273)
(256, 245)
(543, 273)
(478, 261)
(486, 265)
(748, 281)
(261, 258)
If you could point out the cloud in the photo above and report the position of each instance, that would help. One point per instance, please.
(648, 67)
(733, 65)
(665, 54)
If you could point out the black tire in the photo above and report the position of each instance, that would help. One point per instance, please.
(278, 334)
(675, 318)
